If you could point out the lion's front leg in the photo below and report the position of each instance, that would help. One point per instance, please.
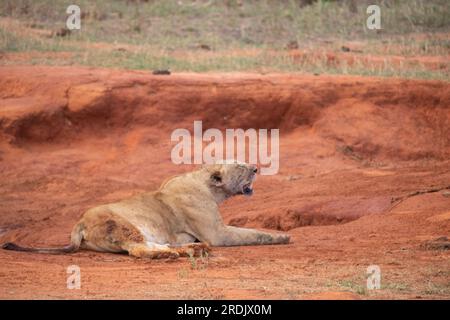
(234, 236)
(150, 251)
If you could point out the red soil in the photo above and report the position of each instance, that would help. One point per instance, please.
(350, 149)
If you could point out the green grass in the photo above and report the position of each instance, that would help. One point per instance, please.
(11, 42)
(226, 24)
(358, 286)
(437, 289)
(167, 34)
(354, 286)
(396, 286)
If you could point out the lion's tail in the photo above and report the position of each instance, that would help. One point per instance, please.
(75, 242)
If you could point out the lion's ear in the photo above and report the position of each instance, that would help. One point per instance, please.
(216, 178)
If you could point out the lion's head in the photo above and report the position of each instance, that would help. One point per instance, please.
(232, 178)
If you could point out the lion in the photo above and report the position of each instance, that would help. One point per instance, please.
(181, 218)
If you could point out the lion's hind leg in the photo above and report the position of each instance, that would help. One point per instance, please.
(196, 249)
(151, 251)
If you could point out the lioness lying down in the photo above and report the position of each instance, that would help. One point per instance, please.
(181, 218)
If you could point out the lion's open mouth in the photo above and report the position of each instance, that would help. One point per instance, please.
(247, 189)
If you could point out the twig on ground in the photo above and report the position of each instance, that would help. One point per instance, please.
(397, 200)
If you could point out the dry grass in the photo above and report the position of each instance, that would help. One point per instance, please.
(204, 36)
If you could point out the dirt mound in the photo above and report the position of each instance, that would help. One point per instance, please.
(129, 115)
(333, 211)
(372, 118)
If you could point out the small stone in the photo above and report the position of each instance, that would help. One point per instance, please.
(441, 243)
(292, 45)
(294, 177)
(204, 47)
(161, 72)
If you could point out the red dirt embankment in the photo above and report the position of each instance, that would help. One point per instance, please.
(72, 138)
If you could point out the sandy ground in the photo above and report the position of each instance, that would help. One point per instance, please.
(364, 180)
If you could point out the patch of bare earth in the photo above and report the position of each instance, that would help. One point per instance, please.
(363, 180)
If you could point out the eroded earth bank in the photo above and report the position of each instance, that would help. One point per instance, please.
(364, 180)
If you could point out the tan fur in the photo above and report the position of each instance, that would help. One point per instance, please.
(166, 223)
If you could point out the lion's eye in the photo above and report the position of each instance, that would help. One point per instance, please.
(216, 178)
